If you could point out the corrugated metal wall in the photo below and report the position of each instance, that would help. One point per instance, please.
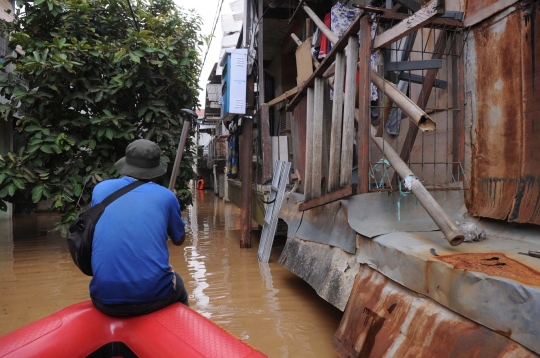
(503, 91)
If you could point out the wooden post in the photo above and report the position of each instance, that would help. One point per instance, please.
(458, 133)
(267, 165)
(317, 140)
(246, 157)
(337, 124)
(308, 194)
(364, 118)
(348, 116)
(451, 232)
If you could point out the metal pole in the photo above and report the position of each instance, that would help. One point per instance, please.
(181, 145)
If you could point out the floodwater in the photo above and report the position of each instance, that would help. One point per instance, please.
(263, 304)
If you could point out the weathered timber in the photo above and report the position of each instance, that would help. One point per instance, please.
(387, 15)
(283, 97)
(266, 143)
(327, 62)
(364, 119)
(328, 198)
(309, 143)
(433, 9)
(299, 43)
(451, 232)
(348, 113)
(317, 145)
(417, 115)
(337, 124)
(246, 155)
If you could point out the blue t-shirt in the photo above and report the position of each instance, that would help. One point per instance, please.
(130, 258)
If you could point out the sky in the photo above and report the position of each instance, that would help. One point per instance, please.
(207, 10)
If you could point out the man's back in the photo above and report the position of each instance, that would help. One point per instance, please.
(130, 258)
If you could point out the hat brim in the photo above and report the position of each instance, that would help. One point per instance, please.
(140, 173)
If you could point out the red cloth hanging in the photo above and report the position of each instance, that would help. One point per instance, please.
(324, 44)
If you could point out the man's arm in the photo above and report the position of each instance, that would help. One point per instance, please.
(176, 227)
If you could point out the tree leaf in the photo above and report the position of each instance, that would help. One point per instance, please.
(46, 149)
(37, 192)
(18, 183)
(109, 133)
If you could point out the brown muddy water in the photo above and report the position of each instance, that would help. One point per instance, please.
(264, 304)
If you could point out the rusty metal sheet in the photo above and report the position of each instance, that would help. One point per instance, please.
(502, 80)
(479, 10)
(501, 291)
(385, 319)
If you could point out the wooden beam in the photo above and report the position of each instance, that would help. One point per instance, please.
(325, 64)
(458, 132)
(328, 198)
(348, 113)
(433, 9)
(299, 43)
(266, 145)
(364, 118)
(386, 15)
(283, 97)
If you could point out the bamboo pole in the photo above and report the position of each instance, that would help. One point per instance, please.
(424, 122)
(324, 29)
(447, 226)
(348, 113)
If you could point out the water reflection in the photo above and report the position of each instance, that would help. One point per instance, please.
(264, 304)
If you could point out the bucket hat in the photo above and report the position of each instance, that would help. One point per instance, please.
(142, 160)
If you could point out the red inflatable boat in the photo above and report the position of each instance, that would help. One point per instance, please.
(82, 331)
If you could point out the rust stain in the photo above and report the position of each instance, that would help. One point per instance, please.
(506, 153)
(494, 264)
(414, 327)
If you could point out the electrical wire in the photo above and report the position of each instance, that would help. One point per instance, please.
(133, 15)
(216, 18)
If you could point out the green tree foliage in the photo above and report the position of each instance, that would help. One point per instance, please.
(92, 80)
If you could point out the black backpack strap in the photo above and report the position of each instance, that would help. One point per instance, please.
(121, 192)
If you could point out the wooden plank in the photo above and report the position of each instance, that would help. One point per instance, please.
(328, 198)
(386, 15)
(283, 97)
(299, 43)
(348, 115)
(364, 118)
(320, 24)
(308, 193)
(433, 9)
(304, 66)
(267, 164)
(325, 64)
(337, 124)
(473, 17)
(318, 120)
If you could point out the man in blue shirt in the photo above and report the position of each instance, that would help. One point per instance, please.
(130, 258)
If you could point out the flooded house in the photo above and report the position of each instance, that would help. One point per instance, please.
(412, 202)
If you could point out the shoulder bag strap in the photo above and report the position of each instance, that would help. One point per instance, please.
(121, 192)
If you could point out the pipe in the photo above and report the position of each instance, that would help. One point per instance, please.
(424, 122)
(447, 226)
